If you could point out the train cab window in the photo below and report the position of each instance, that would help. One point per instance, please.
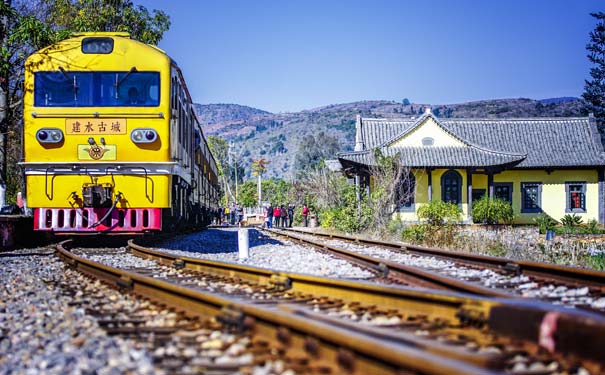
(96, 89)
(62, 89)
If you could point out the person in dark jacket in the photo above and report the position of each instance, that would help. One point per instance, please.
(270, 216)
(284, 216)
(290, 214)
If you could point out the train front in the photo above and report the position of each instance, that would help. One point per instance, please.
(96, 135)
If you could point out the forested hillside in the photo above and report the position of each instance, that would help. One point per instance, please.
(280, 137)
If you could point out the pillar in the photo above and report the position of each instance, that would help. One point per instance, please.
(469, 191)
(430, 175)
(601, 173)
(490, 184)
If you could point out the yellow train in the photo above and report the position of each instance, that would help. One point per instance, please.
(111, 139)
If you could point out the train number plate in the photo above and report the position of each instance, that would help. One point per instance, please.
(97, 152)
(95, 126)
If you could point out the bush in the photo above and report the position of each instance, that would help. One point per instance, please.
(441, 219)
(592, 227)
(414, 233)
(395, 226)
(545, 223)
(596, 261)
(571, 223)
(437, 213)
(492, 211)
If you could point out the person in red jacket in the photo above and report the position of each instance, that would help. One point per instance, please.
(305, 213)
(276, 215)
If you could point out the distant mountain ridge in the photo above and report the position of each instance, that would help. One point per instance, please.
(277, 136)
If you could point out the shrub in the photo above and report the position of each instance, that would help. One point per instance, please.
(545, 222)
(596, 261)
(437, 213)
(592, 227)
(441, 219)
(414, 233)
(571, 223)
(492, 211)
(395, 226)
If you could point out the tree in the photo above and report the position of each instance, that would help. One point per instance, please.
(405, 101)
(594, 89)
(394, 185)
(313, 150)
(22, 31)
(109, 15)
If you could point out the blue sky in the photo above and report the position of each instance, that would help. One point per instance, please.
(289, 55)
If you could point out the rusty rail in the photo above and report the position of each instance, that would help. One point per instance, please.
(347, 351)
(577, 332)
(567, 274)
(409, 274)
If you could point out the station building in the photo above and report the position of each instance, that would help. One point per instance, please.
(540, 165)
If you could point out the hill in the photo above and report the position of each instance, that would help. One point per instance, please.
(277, 136)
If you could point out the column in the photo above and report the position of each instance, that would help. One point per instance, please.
(430, 175)
(601, 173)
(490, 184)
(469, 191)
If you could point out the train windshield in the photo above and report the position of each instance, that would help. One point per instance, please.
(97, 89)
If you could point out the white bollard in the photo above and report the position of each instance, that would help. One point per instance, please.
(243, 243)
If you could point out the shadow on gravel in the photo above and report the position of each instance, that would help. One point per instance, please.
(216, 240)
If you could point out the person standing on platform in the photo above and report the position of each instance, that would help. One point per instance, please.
(305, 213)
(276, 215)
(270, 216)
(290, 214)
(284, 216)
(227, 215)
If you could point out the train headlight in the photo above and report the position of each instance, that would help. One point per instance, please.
(49, 135)
(143, 135)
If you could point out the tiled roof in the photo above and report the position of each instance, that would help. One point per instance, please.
(525, 143)
(449, 157)
(547, 141)
(377, 131)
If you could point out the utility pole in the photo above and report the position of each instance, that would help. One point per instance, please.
(260, 193)
(3, 108)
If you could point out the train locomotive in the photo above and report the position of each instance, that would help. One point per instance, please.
(112, 143)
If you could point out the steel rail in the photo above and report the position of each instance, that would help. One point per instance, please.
(348, 351)
(567, 274)
(398, 271)
(578, 332)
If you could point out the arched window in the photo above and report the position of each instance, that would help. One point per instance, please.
(404, 195)
(451, 187)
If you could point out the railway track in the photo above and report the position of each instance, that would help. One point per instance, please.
(469, 273)
(487, 336)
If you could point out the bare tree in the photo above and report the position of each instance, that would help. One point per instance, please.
(394, 187)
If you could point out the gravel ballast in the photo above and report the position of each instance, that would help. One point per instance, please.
(46, 332)
(221, 244)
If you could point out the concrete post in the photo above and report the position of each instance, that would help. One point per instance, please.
(243, 243)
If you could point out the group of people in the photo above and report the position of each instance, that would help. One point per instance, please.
(233, 214)
(283, 216)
